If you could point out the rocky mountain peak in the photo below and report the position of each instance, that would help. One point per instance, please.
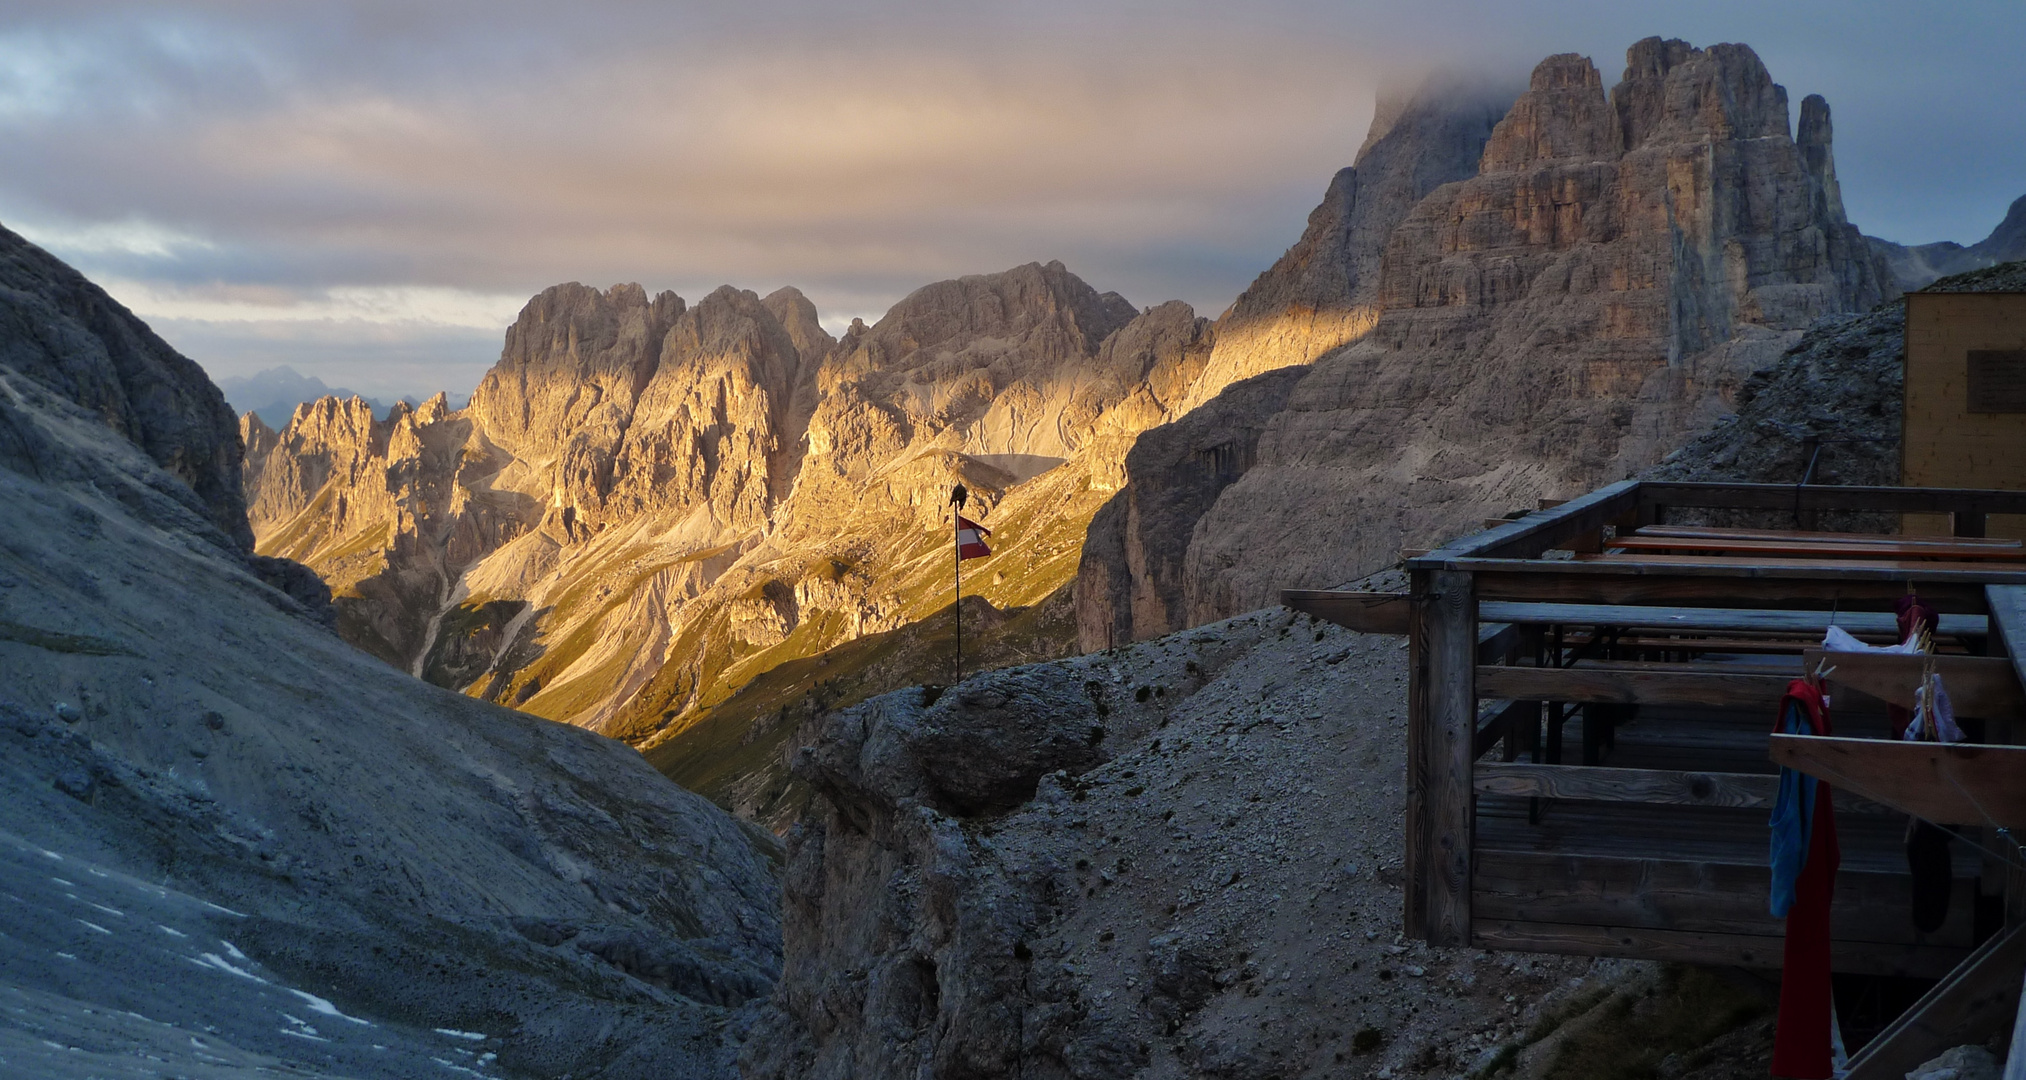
(64, 332)
(1673, 92)
(575, 355)
(1563, 116)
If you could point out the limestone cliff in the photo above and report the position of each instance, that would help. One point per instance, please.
(1564, 317)
(647, 504)
(67, 334)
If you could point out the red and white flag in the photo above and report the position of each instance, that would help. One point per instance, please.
(971, 539)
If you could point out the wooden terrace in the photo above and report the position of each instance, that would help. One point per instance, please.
(1593, 688)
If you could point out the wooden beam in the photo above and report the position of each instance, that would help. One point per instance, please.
(1789, 497)
(1982, 686)
(1818, 537)
(1976, 999)
(1670, 787)
(1778, 565)
(2007, 604)
(1702, 620)
(1365, 612)
(1499, 721)
(1835, 549)
(1705, 586)
(1699, 897)
(1691, 947)
(1441, 746)
(1955, 784)
(1544, 529)
(1598, 784)
(1634, 684)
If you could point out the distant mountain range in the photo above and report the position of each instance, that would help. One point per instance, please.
(273, 394)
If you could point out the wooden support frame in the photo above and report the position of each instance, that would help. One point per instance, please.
(1492, 662)
(1975, 1000)
(1441, 746)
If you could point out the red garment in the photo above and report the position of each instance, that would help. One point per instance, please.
(1801, 1040)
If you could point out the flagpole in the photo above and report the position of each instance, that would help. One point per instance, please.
(957, 563)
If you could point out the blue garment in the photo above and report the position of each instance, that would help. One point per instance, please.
(1793, 819)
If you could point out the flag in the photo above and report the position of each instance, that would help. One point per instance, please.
(971, 539)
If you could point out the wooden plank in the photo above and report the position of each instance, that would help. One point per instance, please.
(1502, 715)
(1526, 580)
(1701, 897)
(1633, 684)
(1448, 613)
(1832, 497)
(1543, 529)
(1599, 784)
(1821, 537)
(1689, 947)
(1982, 686)
(1365, 612)
(1774, 564)
(1669, 787)
(1958, 784)
(1976, 999)
(1844, 549)
(2008, 619)
(1717, 620)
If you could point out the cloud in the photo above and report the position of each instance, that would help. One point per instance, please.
(303, 165)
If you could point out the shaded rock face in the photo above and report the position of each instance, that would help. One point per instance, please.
(1131, 582)
(1113, 866)
(1837, 397)
(1323, 293)
(66, 333)
(271, 824)
(1598, 290)
(1914, 267)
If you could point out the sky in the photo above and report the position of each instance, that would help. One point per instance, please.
(369, 192)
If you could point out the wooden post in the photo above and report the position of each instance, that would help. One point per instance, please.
(1442, 729)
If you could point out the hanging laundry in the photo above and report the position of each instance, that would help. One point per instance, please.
(1927, 845)
(1804, 860)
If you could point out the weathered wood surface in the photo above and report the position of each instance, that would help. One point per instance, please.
(1825, 587)
(1365, 612)
(2008, 622)
(1543, 530)
(1699, 897)
(1775, 564)
(1669, 787)
(1976, 999)
(1626, 683)
(1905, 500)
(1982, 686)
(1713, 532)
(1602, 784)
(1716, 620)
(1836, 549)
(1689, 947)
(1446, 613)
(1958, 784)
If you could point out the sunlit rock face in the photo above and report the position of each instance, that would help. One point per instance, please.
(648, 502)
(1563, 318)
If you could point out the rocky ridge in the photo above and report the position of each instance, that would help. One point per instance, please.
(234, 844)
(649, 503)
(1173, 859)
(1915, 267)
(1596, 292)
